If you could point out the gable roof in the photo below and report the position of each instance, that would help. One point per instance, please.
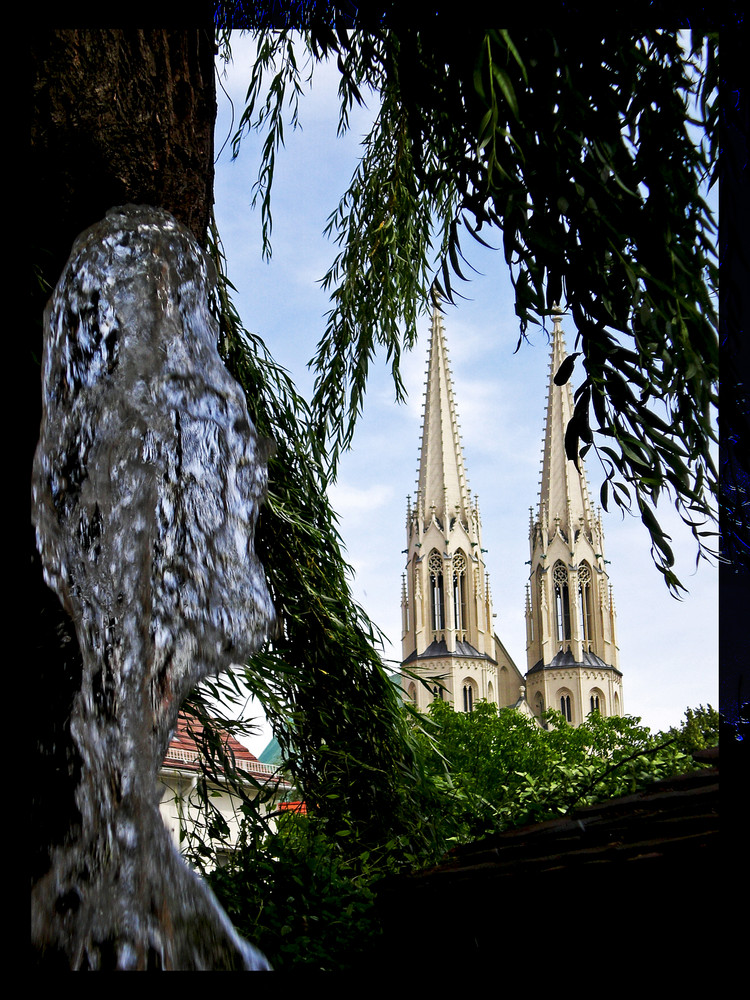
(271, 753)
(184, 752)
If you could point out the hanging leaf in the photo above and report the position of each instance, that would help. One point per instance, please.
(475, 125)
(566, 369)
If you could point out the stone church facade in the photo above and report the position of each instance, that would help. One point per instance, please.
(571, 637)
(450, 649)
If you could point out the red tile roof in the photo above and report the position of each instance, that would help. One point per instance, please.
(184, 752)
(294, 807)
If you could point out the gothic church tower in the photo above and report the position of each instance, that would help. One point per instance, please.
(571, 641)
(447, 634)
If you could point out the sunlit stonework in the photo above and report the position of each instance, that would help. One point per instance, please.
(571, 642)
(450, 649)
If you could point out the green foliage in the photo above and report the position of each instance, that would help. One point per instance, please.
(307, 897)
(502, 770)
(699, 730)
(335, 711)
(588, 152)
(292, 895)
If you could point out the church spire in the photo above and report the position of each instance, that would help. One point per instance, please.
(571, 638)
(448, 637)
(564, 492)
(442, 484)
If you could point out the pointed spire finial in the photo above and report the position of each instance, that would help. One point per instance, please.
(563, 488)
(442, 473)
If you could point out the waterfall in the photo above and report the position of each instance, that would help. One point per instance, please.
(147, 482)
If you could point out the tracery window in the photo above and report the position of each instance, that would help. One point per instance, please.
(565, 707)
(437, 596)
(584, 603)
(562, 601)
(459, 590)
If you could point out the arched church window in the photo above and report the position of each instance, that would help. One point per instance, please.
(412, 692)
(539, 704)
(565, 707)
(562, 601)
(437, 596)
(597, 701)
(584, 603)
(459, 590)
(469, 695)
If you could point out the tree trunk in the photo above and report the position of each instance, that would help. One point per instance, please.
(121, 116)
(118, 117)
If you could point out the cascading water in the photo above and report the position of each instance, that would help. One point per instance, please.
(147, 482)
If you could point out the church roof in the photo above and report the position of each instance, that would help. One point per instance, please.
(442, 474)
(564, 492)
(566, 659)
(439, 648)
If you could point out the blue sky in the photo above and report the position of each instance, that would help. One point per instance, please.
(668, 649)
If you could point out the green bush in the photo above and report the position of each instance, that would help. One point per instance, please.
(305, 893)
(698, 731)
(292, 895)
(500, 769)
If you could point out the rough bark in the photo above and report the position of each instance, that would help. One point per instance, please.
(121, 116)
(117, 116)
